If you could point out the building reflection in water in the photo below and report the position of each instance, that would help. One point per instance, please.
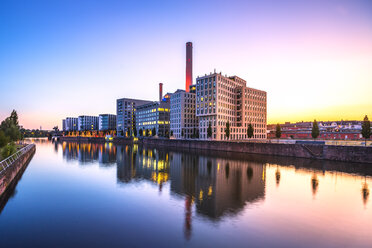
(85, 153)
(211, 186)
(215, 186)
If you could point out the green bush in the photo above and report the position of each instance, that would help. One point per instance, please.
(8, 150)
(3, 139)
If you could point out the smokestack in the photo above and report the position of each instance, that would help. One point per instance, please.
(188, 66)
(160, 91)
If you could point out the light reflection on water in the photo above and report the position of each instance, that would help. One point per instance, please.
(161, 197)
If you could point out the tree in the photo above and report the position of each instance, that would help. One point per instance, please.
(140, 132)
(154, 131)
(227, 130)
(315, 130)
(366, 129)
(209, 130)
(278, 131)
(14, 117)
(10, 127)
(147, 132)
(182, 133)
(172, 133)
(250, 130)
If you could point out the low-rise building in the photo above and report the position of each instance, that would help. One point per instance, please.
(328, 130)
(107, 122)
(183, 120)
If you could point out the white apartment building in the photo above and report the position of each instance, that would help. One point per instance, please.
(87, 123)
(71, 124)
(183, 120)
(221, 99)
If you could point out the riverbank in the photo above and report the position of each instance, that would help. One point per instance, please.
(10, 175)
(356, 154)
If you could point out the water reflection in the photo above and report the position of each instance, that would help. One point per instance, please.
(215, 188)
(314, 183)
(87, 153)
(365, 192)
(277, 176)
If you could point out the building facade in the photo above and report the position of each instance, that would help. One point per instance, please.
(125, 114)
(183, 120)
(154, 115)
(87, 123)
(107, 122)
(221, 99)
(70, 124)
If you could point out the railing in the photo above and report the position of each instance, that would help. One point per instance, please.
(6, 163)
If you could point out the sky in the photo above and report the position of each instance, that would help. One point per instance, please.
(70, 58)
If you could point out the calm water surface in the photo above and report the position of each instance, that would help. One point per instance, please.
(101, 195)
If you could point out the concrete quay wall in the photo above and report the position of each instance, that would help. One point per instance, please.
(9, 177)
(337, 153)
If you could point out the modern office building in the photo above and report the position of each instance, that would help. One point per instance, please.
(125, 114)
(87, 123)
(107, 122)
(221, 99)
(70, 124)
(154, 115)
(183, 120)
(188, 66)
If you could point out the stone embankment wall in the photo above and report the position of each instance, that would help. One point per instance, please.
(10, 175)
(338, 153)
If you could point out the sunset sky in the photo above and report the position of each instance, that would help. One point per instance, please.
(69, 58)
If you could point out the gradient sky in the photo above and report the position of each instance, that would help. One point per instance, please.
(68, 58)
